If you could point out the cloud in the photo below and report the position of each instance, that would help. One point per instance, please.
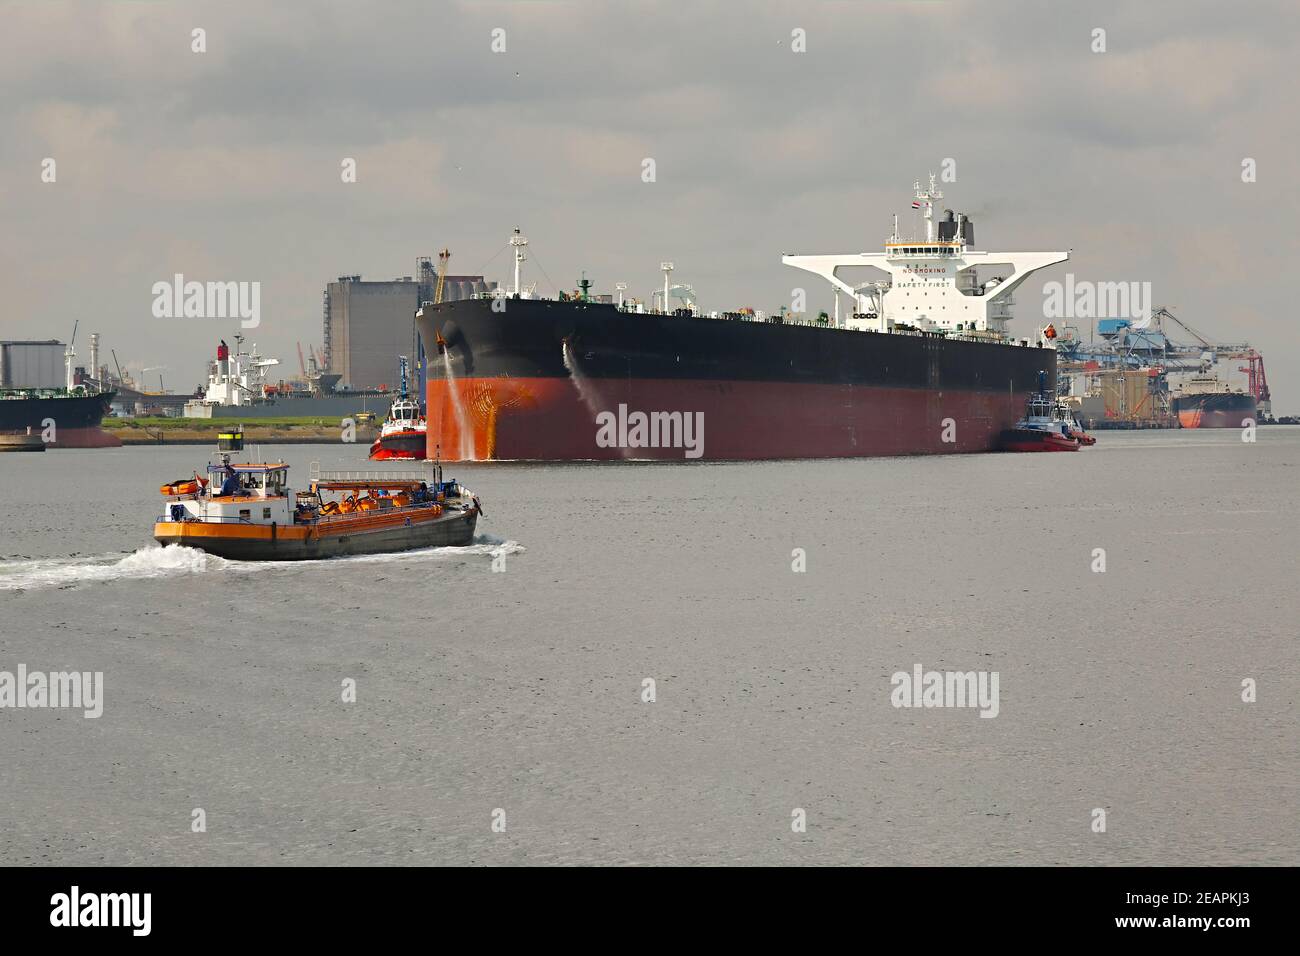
(228, 162)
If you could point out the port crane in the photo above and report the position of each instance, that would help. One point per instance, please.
(1257, 381)
(121, 379)
(1146, 348)
(154, 368)
(412, 378)
(1206, 346)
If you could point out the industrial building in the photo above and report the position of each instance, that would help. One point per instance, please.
(367, 325)
(31, 364)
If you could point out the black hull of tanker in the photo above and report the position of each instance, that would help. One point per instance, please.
(73, 421)
(542, 379)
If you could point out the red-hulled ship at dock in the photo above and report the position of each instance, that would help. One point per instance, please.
(921, 365)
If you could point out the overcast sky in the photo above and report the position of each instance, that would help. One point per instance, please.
(225, 165)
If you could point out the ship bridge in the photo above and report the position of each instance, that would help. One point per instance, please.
(936, 284)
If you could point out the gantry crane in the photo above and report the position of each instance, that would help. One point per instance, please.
(1257, 382)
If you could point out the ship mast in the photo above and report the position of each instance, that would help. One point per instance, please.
(518, 242)
(926, 205)
(69, 355)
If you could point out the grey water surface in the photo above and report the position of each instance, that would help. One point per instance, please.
(521, 690)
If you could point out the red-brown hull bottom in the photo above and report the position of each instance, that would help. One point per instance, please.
(555, 419)
(90, 437)
(1197, 418)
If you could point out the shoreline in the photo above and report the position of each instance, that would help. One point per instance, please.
(171, 431)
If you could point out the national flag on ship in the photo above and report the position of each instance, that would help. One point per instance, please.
(916, 204)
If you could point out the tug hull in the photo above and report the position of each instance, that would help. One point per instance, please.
(1033, 439)
(399, 445)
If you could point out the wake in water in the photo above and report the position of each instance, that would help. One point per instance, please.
(176, 560)
(484, 544)
(160, 562)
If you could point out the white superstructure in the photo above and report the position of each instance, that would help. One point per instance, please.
(403, 416)
(936, 284)
(236, 377)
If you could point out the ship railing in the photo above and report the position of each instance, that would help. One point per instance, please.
(984, 337)
(789, 320)
(217, 519)
(424, 472)
(360, 516)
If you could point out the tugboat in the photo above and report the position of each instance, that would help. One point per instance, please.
(248, 512)
(403, 432)
(1073, 427)
(1046, 426)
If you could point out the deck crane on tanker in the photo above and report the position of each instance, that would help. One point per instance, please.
(443, 257)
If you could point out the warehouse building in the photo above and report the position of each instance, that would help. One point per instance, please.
(28, 364)
(367, 325)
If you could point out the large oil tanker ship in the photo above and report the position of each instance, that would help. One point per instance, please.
(920, 363)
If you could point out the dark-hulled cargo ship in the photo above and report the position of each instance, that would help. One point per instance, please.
(1205, 401)
(921, 365)
(68, 419)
